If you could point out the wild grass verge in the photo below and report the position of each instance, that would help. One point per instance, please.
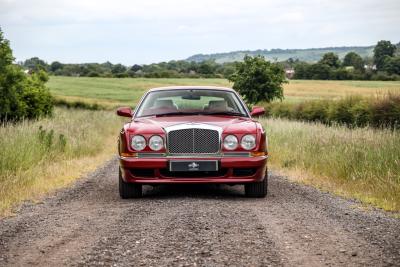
(39, 156)
(361, 163)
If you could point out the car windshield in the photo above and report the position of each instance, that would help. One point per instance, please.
(191, 101)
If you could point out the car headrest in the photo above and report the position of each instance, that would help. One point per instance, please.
(163, 103)
(217, 104)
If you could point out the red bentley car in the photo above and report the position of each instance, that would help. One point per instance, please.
(192, 135)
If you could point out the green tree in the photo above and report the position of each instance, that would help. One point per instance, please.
(302, 70)
(320, 71)
(21, 96)
(382, 50)
(136, 68)
(118, 68)
(36, 64)
(6, 57)
(10, 83)
(330, 59)
(397, 52)
(392, 65)
(353, 59)
(258, 80)
(207, 67)
(56, 66)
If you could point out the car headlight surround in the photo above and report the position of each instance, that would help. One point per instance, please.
(138, 142)
(156, 142)
(248, 142)
(230, 142)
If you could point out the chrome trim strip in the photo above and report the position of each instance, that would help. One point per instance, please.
(236, 154)
(164, 155)
(151, 155)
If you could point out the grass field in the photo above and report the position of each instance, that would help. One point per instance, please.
(113, 92)
(359, 163)
(39, 156)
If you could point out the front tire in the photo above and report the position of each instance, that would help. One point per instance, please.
(128, 190)
(257, 189)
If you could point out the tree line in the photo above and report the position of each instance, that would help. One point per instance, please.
(384, 65)
(171, 69)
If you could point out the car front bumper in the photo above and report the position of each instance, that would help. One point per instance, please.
(232, 170)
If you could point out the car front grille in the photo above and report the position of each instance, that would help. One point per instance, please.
(193, 141)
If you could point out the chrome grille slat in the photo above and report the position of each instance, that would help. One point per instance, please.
(193, 141)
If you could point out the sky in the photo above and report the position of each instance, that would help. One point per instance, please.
(140, 32)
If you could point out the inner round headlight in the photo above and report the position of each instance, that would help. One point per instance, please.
(248, 142)
(138, 142)
(156, 142)
(230, 142)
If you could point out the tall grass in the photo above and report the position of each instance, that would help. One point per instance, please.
(38, 156)
(363, 163)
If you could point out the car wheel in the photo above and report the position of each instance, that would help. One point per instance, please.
(129, 190)
(258, 189)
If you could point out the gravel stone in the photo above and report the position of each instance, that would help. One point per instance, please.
(197, 225)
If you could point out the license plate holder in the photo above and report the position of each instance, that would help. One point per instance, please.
(193, 165)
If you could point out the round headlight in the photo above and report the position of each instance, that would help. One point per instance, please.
(248, 142)
(156, 142)
(230, 142)
(138, 142)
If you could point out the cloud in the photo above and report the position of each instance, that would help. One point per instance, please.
(153, 30)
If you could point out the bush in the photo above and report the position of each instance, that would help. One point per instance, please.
(121, 75)
(21, 96)
(37, 97)
(93, 74)
(280, 110)
(12, 107)
(361, 113)
(352, 111)
(341, 111)
(385, 112)
(316, 111)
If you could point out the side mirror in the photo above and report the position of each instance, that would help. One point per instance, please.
(124, 112)
(257, 111)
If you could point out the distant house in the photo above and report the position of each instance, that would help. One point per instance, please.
(370, 67)
(289, 73)
(28, 71)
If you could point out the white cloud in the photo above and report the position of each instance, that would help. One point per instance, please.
(154, 30)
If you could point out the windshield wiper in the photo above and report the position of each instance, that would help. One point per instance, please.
(230, 113)
(175, 113)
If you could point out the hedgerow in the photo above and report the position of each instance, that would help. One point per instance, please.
(352, 111)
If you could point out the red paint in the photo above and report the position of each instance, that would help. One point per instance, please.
(257, 111)
(149, 126)
(124, 112)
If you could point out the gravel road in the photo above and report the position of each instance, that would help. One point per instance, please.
(88, 224)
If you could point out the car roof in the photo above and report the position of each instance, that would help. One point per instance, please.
(190, 87)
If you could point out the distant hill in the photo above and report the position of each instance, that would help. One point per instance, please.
(309, 54)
